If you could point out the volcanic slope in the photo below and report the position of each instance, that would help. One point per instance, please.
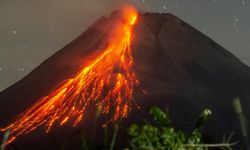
(182, 70)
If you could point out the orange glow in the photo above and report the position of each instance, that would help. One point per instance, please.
(133, 19)
(108, 80)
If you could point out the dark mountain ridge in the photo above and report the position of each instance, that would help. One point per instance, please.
(182, 70)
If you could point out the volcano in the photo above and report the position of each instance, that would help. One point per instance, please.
(182, 70)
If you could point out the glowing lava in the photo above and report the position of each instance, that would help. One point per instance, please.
(107, 80)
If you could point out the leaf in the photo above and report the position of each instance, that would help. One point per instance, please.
(203, 118)
(160, 116)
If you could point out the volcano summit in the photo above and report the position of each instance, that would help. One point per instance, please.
(182, 70)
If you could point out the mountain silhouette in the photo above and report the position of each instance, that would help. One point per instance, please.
(182, 70)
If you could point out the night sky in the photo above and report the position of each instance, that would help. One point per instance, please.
(32, 30)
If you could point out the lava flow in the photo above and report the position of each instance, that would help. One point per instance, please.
(108, 81)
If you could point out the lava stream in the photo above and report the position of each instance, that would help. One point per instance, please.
(107, 80)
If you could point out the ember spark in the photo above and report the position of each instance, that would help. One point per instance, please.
(108, 80)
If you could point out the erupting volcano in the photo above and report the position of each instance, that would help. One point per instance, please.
(182, 70)
(108, 80)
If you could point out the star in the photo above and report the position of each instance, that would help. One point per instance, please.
(243, 3)
(14, 31)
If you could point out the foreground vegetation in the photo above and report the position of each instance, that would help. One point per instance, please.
(159, 134)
